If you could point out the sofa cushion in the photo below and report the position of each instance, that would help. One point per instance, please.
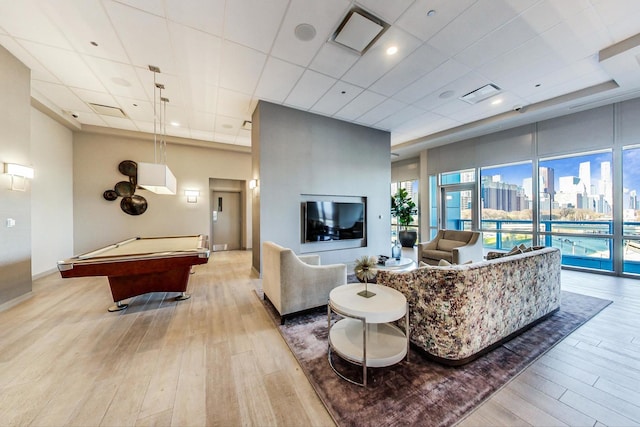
(443, 263)
(448, 245)
(459, 235)
(437, 255)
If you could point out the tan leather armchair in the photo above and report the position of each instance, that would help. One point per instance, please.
(454, 246)
(295, 283)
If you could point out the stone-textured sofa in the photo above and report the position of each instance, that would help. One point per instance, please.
(459, 312)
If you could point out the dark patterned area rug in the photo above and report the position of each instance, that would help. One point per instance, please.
(418, 391)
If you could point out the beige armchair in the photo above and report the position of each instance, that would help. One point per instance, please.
(295, 283)
(454, 246)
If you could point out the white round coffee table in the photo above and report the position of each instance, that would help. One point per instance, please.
(365, 336)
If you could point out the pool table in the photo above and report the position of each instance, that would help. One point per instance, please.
(140, 265)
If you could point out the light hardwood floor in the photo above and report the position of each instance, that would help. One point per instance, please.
(217, 359)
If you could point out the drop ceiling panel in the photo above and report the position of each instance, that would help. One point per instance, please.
(228, 125)
(151, 6)
(38, 71)
(419, 63)
(83, 22)
(26, 20)
(141, 111)
(277, 80)
(197, 54)
(446, 73)
(241, 67)
(333, 60)
(309, 89)
(61, 96)
(203, 98)
(451, 91)
(498, 42)
(119, 79)
(360, 105)
(426, 123)
(337, 97)
(416, 21)
(381, 112)
(375, 62)
(323, 15)
(207, 16)
(152, 46)
(254, 24)
(388, 11)
(202, 135)
(575, 40)
(67, 66)
(202, 121)
(234, 104)
(480, 19)
(402, 116)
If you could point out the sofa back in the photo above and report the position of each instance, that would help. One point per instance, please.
(458, 310)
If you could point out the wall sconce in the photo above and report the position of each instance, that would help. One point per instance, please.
(192, 195)
(15, 170)
(253, 184)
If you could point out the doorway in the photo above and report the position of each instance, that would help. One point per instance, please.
(456, 202)
(226, 221)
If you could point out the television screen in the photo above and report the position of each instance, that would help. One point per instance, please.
(326, 221)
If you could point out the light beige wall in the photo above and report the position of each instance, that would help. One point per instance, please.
(51, 193)
(98, 222)
(15, 147)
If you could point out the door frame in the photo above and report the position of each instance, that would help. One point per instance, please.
(465, 186)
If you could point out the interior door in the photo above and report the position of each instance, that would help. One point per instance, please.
(226, 221)
(456, 203)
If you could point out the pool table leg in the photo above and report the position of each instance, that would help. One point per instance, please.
(183, 296)
(118, 306)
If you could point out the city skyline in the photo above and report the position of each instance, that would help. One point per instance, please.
(570, 166)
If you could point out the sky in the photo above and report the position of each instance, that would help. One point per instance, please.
(569, 166)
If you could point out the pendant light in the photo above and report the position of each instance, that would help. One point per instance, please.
(157, 177)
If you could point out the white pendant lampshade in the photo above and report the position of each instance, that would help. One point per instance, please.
(157, 178)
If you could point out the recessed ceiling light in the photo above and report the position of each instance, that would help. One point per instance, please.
(305, 32)
(496, 102)
(175, 124)
(93, 43)
(431, 12)
(392, 50)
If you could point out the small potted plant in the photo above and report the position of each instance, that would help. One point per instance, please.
(403, 208)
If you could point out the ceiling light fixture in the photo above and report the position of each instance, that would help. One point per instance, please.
(496, 102)
(392, 50)
(359, 30)
(157, 177)
(431, 12)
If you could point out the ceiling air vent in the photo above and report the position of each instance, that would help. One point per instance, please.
(359, 30)
(106, 110)
(480, 94)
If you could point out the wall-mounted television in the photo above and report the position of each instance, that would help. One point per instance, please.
(329, 221)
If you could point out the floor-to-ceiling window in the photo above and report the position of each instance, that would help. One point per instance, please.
(631, 209)
(576, 208)
(506, 202)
